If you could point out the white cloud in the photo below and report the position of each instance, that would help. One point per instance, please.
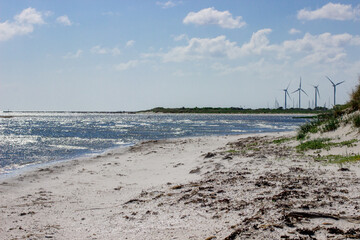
(130, 43)
(64, 20)
(258, 42)
(249, 66)
(102, 50)
(310, 49)
(212, 16)
(181, 37)
(127, 65)
(200, 48)
(218, 47)
(29, 16)
(23, 24)
(294, 31)
(168, 4)
(71, 55)
(323, 48)
(115, 51)
(334, 11)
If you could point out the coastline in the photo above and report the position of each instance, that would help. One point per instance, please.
(185, 188)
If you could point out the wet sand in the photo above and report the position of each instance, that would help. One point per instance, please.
(223, 187)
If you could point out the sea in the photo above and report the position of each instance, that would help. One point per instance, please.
(32, 138)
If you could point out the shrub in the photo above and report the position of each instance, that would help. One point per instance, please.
(355, 98)
(356, 120)
(331, 125)
(309, 127)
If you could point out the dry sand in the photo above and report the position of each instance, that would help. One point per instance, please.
(223, 187)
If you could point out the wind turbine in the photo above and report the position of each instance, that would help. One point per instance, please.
(300, 90)
(286, 93)
(316, 93)
(334, 85)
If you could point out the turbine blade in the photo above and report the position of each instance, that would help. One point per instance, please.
(330, 80)
(304, 92)
(339, 83)
(296, 91)
(288, 94)
(288, 85)
(318, 92)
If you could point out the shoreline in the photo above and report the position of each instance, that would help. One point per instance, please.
(193, 188)
(14, 171)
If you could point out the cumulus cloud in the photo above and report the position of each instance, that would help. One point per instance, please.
(168, 4)
(127, 65)
(103, 50)
(130, 43)
(310, 49)
(200, 48)
(218, 47)
(71, 55)
(334, 11)
(29, 16)
(320, 48)
(23, 24)
(294, 31)
(258, 42)
(212, 16)
(64, 20)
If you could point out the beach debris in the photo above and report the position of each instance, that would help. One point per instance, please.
(196, 170)
(210, 155)
(298, 215)
(134, 201)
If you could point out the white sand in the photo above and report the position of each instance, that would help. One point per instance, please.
(172, 189)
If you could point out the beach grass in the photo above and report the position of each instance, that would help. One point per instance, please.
(338, 159)
(323, 143)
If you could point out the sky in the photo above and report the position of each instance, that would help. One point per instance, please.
(133, 55)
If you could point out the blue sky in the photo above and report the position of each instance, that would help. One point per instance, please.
(134, 55)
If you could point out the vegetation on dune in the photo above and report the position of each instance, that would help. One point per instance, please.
(282, 140)
(320, 143)
(355, 98)
(323, 143)
(356, 120)
(338, 159)
(331, 120)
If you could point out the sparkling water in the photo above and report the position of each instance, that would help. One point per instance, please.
(34, 138)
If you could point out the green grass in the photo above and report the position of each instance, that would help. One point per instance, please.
(338, 159)
(319, 143)
(232, 151)
(323, 143)
(282, 140)
(349, 143)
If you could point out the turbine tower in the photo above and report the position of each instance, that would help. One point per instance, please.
(300, 90)
(334, 85)
(286, 93)
(316, 93)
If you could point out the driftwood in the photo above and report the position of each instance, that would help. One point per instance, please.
(311, 215)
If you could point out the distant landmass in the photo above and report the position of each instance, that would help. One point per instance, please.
(234, 110)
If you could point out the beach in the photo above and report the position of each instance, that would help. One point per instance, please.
(217, 187)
